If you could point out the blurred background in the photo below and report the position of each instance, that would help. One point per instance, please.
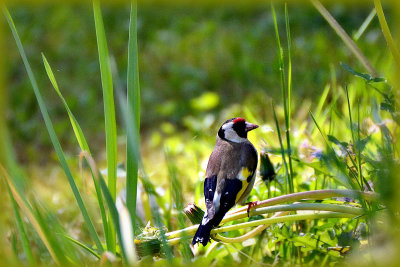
(195, 65)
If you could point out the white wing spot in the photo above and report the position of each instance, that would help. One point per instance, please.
(199, 239)
(217, 200)
(227, 193)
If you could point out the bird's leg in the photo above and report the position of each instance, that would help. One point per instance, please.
(250, 205)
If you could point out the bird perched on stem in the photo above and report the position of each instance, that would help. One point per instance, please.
(230, 174)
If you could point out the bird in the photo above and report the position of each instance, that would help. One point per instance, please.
(230, 175)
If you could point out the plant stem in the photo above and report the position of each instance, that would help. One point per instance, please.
(295, 207)
(175, 237)
(316, 194)
(248, 235)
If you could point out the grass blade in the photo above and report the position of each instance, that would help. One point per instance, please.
(53, 137)
(365, 25)
(21, 230)
(281, 64)
(82, 143)
(177, 201)
(126, 229)
(386, 32)
(29, 212)
(355, 142)
(90, 163)
(344, 36)
(282, 148)
(133, 121)
(289, 83)
(108, 94)
(81, 245)
(75, 126)
(285, 89)
(109, 111)
(289, 99)
(113, 212)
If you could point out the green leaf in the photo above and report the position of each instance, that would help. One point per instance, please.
(360, 144)
(367, 77)
(113, 212)
(378, 80)
(132, 118)
(389, 107)
(108, 95)
(81, 140)
(109, 112)
(334, 140)
(75, 126)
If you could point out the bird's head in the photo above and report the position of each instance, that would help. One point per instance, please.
(235, 130)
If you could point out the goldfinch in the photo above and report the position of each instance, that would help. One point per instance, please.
(229, 176)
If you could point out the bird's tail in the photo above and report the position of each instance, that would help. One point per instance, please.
(203, 233)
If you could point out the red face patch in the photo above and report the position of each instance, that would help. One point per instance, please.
(238, 120)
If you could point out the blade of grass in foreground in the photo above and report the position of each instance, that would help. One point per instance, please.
(113, 212)
(53, 137)
(109, 112)
(133, 122)
(82, 143)
(76, 242)
(124, 229)
(75, 126)
(30, 214)
(21, 230)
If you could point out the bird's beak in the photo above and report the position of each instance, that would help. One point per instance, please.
(250, 126)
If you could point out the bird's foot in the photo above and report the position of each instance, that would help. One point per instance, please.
(250, 205)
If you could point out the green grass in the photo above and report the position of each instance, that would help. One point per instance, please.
(109, 115)
(343, 145)
(133, 116)
(53, 137)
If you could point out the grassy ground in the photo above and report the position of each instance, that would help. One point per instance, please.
(196, 69)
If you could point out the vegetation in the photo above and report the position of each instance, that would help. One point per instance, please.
(327, 187)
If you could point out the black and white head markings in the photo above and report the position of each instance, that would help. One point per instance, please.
(235, 130)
